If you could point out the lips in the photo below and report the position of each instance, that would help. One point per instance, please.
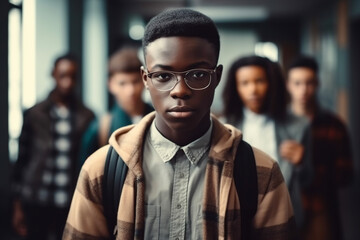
(254, 100)
(181, 111)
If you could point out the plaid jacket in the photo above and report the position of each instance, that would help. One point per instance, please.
(273, 220)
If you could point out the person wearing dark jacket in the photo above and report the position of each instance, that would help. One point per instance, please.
(44, 175)
(331, 156)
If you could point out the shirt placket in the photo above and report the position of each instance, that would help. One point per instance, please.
(179, 199)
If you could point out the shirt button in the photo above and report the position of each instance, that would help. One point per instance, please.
(178, 206)
(176, 238)
(181, 175)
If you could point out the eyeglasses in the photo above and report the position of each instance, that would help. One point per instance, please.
(196, 79)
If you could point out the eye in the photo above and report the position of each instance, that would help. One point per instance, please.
(242, 82)
(261, 80)
(297, 83)
(197, 75)
(162, 76)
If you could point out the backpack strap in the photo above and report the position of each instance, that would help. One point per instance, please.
(114, 177)
(245, 177)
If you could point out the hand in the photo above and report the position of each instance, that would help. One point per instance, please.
(292, 151)
(18, 219)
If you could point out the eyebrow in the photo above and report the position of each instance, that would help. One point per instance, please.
(191, 66)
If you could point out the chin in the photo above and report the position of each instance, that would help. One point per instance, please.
(255, 109)
(182, 123)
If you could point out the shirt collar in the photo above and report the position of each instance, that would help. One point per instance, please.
(167, 149)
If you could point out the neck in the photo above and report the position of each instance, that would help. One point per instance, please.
(181, 136)
(61, 100)
(304, 110)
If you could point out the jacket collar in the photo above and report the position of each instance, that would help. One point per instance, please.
(128, 142)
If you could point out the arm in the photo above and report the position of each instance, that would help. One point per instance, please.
(299, 154)
(86, 219)
(274, 218)
(24, 152)
(305, 171)
(343, 160)
(292, 151)
(18, 218)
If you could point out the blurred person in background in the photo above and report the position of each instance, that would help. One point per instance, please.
(331, 155)
(44, 175)
(126, 86)
(255, 102)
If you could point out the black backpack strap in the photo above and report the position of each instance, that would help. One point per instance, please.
(245, 177)
(115, 171)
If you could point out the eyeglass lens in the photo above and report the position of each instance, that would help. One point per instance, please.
(195, 79)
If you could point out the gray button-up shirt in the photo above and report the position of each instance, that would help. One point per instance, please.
(174, 180)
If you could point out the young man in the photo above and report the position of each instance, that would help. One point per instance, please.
(44, 175)
(126, 86)
(331, 156)
(180, 181)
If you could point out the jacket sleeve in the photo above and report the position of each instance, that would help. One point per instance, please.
(306, 171)
(343, 160)
(86, 219)
(274, 218)
(24, 153)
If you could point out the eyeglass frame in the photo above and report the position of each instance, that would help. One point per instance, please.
(183, 74)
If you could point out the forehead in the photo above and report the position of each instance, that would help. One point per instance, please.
(301, 73)
(65, 64)
(126, 76)
(250, 71)
(180, 52)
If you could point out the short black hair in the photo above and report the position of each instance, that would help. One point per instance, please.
(304, 61)
(275, 100)
(68, 56)
(124, 60)
(181, 22)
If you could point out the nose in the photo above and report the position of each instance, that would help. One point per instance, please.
(68, 82)
(130, 89)
(181, 89)
(303, 89)
(253, 88)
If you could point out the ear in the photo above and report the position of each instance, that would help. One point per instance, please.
(287, 84)
(110, 85)
(219, 70)
(53, 72)
(144, 76)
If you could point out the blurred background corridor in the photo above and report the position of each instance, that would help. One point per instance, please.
(34, 32)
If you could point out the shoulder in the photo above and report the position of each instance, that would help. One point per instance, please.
(87, 112)
(83, 110)
(94, 164)
(39, 109)
(330, 117)
(90, 181)
(268, 171)
(264, 163)
(262, 159)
